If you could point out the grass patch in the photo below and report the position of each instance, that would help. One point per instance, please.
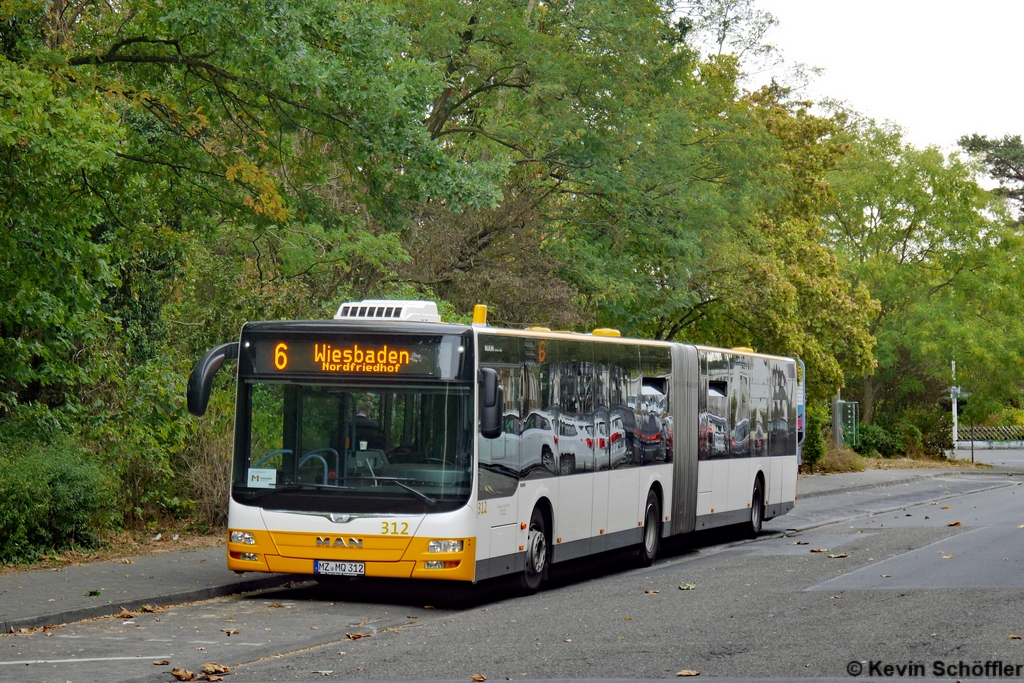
(122, 544)
(840, 459)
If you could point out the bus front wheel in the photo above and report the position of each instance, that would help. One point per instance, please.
(652, 530)
(536, 552)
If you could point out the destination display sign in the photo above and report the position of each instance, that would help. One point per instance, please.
(354, 356)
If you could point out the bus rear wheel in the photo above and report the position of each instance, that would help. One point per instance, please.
(756, 510)
(536, 553)
(652, 530)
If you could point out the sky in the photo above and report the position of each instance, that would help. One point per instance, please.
(939, 69)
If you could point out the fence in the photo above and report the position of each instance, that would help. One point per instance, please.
(1014, 433)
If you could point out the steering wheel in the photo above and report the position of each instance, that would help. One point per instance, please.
(403, 454)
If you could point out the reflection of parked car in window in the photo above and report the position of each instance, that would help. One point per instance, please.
(612, 437)
(504, 448)
(575, 445)
(739, 439)
(717, 427)
(538, 444)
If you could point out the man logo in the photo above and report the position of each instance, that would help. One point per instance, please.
(325, 542)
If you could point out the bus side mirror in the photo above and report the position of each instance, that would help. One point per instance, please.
(201, 379)
(492, 399)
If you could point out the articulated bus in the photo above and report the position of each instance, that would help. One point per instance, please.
(385, 443)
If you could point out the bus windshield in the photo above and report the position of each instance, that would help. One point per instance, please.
(356, 448)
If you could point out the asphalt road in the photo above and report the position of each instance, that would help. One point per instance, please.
(911, 590)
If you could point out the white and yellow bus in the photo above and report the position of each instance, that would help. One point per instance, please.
(385, 443)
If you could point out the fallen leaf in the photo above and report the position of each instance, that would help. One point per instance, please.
(567, 640)
(819, 550)
(212, 677)
(149, 608)
(478, 677)
(927, 517)
(215, 668)
(1012, 637)
(428, 607)
(1021, 526)
(837, 556)
(183, 674)
(229, 631)
(803, 542)
(688, 672)
(688, 587)
(627, 618)
(125, 614)
(161, 662)
(276, 604)
(125, 560)
(357, 636)
(953, 524)
(651, 592)
(92, 593)
(947, 557)
(947, 507)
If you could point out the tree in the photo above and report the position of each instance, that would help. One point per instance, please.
(935, 250)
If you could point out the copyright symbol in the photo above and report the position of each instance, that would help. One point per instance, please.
(855, 668)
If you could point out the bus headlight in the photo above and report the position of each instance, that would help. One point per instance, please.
(242, 537)
(444, 547)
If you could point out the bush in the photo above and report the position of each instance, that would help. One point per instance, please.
(814, 439)
(875, 439)
(52, 497)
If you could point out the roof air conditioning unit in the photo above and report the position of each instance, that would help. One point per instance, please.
(385, 310)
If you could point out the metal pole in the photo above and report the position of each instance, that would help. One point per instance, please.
(972, 442)
(953, 394)
(837, 421)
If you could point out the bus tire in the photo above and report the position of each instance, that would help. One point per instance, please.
(536, 553)
(651, 540)
(753, 527)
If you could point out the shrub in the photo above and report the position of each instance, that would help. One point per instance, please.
(814, 439)
(875, 439)
(52, 497)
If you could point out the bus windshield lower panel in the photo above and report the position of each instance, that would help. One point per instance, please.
(356, 448)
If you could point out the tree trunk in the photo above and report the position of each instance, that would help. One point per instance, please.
(868, 400)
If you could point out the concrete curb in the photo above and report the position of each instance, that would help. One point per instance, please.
(864, 487)
(66, 617)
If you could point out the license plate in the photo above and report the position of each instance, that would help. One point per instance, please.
(339, 568)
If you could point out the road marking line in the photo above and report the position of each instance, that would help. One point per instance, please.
(84, 659)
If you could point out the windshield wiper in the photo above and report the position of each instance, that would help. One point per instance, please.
(395, 480)
(295, 486)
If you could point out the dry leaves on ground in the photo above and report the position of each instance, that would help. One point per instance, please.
(953, 524)
(688, 672)
(819, 550)
(215, 668)
(357, 636)
(183, 674)
(161, 662)
(651, 592)
(837, 556)
(478, 677)
(688, 587)
(1013, 637)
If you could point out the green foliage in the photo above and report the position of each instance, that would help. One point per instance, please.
(52, 496)
(814, 446)
(877, 440)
